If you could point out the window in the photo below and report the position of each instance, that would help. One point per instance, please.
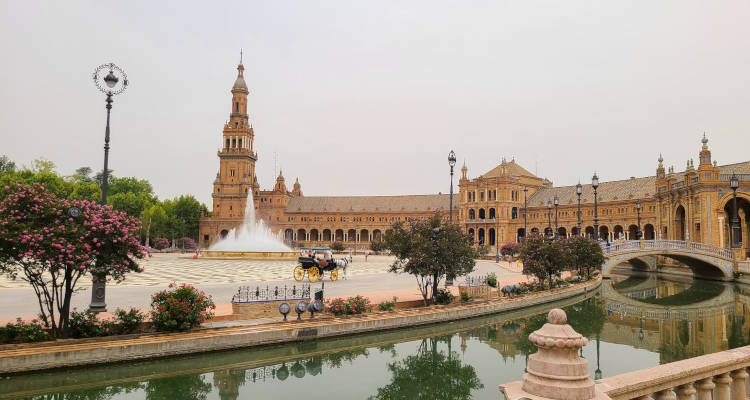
(236, 106)
(231, 172)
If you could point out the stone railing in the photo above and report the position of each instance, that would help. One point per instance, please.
(743, 266)
(741, 177)
(556, 371)
(718, 373)
(625, 246)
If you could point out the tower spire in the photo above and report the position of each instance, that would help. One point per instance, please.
(240, 55)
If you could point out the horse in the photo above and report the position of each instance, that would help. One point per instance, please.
(343, 263)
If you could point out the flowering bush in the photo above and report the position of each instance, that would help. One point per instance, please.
(350, 306)
(44, 244)
(126, 321)
(161, 243)
(23, 332)
(180, 308)
(508, 249)
(86, 324)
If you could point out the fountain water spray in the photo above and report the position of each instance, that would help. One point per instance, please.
(251, 236)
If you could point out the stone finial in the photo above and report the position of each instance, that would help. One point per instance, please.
(556, 371)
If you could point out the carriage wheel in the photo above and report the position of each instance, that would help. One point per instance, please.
(334, 274)
(313, 274)
(299, 274)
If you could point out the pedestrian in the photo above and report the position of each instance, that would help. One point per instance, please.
(367, 253)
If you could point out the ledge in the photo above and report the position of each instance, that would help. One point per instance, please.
(14, 359)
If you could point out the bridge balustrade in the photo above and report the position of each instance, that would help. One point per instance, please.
(649, 245)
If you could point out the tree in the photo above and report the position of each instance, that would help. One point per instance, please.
(152, 219)
(6, 165)
(44, 246)
(131, 203)
(337, 246)
(586, 254)
(430, 258)
(439, 376)
(542, 258)
(83, 174)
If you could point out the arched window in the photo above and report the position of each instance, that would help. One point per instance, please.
(472, 214)
(236, 106)
(492, 213)
(227, 146)
(481, 213)
(514, 213)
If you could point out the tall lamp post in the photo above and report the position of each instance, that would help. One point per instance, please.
(579, 191)
(734, 183)
(557, 231)
(549, 218)
(595, 184)
(525, 190)
(111, 80)
(452, 163)
(638, 207)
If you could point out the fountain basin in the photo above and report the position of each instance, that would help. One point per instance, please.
(249, 255)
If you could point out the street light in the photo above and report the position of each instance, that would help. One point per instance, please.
(525, 190)
(638, 207)
(452, 163)
(557, 202)
(113, 83)
(595, 184)
(549, 218)
(579, 191)
(734, 183)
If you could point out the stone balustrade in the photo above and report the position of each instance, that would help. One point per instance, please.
(625, 246)
(716, 376)
(557, 372)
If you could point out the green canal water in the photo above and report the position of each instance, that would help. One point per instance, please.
(632, 322)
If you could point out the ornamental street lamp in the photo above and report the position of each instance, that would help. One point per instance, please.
(557, 232)
(549, 218)
(734, 183)
(579, 191)
(113, 83)
(595, 184)
(638, 207)
(525, 190)
(452, 163)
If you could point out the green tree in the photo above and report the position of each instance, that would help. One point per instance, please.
(85, 191)
(428, 255)
(131, 203)
(430, 374)
(586, 254)
(83, 174)
(153, 219)
(543, 259)
(6, 165)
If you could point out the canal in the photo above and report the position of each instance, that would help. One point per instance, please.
(632, 322)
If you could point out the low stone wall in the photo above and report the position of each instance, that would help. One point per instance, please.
(260, 309)
(29, 358)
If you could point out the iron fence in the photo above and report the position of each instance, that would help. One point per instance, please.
(248, 294)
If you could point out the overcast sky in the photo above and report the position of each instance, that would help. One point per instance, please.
(368, 97)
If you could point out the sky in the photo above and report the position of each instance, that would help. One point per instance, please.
(368, 97)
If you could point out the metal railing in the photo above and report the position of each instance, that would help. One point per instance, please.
(741, 177)
(247, 294)
(627, 246)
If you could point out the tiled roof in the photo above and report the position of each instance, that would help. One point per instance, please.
(637, 188)
(418, 203)
(508, 169)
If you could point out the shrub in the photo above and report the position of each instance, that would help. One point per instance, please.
(491, 279)
(161, 243)
(126, 321)
(23, 332)
(350, 306)
(443, 296)
(337, 246)
(508, 249)
(465, 298)
(377, 246)
(86, 324)
(186, 243)
(388, 305)
(736, 274)
(180, 308)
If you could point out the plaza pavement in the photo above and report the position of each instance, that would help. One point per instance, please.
(222, 278)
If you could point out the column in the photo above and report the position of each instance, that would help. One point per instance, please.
(722, 386)
(685, 392)
(721, 231)
(705, 387)
(667, 394)
(738, 383)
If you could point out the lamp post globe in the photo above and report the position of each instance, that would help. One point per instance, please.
(579, 191)
(110, 80)
(595, 185)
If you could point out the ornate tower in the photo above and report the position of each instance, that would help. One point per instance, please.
(236, 177)
(297, 189)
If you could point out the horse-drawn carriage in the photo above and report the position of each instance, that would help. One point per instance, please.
(315, 269)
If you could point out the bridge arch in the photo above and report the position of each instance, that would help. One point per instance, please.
(705, 261)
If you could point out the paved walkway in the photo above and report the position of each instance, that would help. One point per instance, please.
(221, 279)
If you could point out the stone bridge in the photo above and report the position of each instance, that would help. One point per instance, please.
(705, 260)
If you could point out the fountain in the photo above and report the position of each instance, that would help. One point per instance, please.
(251, 240)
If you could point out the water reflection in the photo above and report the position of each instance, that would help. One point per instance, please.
(649, 319)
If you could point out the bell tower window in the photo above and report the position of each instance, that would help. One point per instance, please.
(236, 106)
